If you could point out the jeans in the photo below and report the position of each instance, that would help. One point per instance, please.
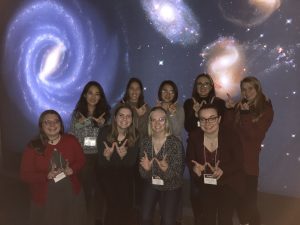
(168, 202)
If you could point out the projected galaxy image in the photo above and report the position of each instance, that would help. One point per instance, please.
(52, 48)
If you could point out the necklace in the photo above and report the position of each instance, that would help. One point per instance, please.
(54, 139)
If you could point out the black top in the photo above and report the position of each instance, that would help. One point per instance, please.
(190, 121)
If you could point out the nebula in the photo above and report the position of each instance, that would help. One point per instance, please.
(225, 61)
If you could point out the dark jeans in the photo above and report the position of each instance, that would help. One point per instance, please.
(247, 205)
(168, 202)
(212, 204)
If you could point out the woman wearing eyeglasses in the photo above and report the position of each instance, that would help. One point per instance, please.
(161, 167)
(50, 165)
(214, 159)
(251, 116)
(203, 93)
(167, 96)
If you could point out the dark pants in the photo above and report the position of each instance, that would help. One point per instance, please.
(168, 202)
(215, 203)
(247, 204)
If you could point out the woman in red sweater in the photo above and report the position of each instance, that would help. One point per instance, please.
(50, 165)
(251, 116)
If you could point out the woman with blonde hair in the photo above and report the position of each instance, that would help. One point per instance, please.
(161, 167)
(251, 116)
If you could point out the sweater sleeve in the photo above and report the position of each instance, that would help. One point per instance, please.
(29, 173)
(190, 121)
(177, 121)
(256, 131)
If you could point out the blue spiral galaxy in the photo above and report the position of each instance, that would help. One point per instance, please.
(52, 49)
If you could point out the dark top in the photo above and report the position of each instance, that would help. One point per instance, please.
(115, 162)
(173, 176)
(190, 121)
(229, 153)
(252, 134)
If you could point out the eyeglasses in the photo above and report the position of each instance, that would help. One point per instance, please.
(205, 85)
(161, 120)
(171, 92)
(209, 120)
(51, 122)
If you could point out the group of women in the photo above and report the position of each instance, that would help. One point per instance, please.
(124, 165)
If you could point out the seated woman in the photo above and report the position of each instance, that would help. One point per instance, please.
(50, 166)
(161, 167)
(118, 152)
(215, 162)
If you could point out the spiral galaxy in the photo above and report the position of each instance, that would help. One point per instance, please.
(174, 20)
(52, 49)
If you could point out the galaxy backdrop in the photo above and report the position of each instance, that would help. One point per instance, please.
(52, 48)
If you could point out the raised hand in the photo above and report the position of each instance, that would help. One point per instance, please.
(122, 150)
(197, 106)
(172, 108)
(229, 103)
(141, 111)
(163, 164)
(99, 120)
(68, 170)
(146, 163)
(81, 118)
(108, 151)
(198, 168)
(217, 171)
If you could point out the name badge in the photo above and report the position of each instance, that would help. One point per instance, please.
(59, 177)
(209, 179)
(90, 141)
(157, 181)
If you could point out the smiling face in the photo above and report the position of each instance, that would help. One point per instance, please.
(158, 121)
(51, 125)
(248, 91)
(167, 93)
(93, 96)
(134, 92)
(204, 86)
(209, 120)
(123, 118)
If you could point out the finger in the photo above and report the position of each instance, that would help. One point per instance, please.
(101, 116)
(229, 96)
(105, 144)
(82, 116)
(211, 167)
(143, 106)
(194, 100)
(195, 162)
(146, 156)
(217, 164)
(164, 157)
(125, 142)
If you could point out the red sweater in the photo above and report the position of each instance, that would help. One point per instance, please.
(35, 166)
(252, 135)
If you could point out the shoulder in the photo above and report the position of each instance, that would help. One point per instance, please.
(188, 103)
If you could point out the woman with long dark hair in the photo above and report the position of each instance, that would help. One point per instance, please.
(91, 113)
(134, 96)
(50, 165)
(203, 93)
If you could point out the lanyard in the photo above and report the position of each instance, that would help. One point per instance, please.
(204, 154)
